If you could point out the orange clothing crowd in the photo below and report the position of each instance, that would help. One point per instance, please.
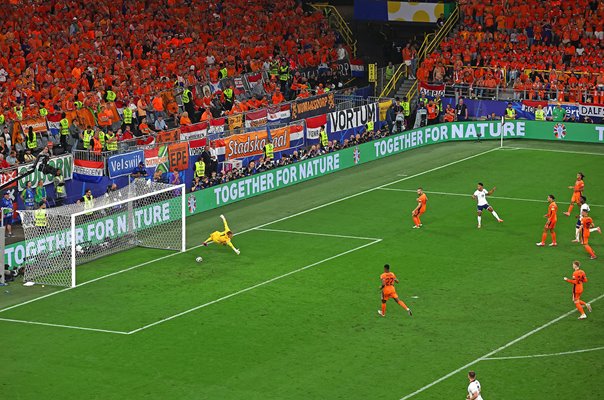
(54, 53)
(518, 36)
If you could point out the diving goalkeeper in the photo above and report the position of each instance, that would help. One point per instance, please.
(223, 238)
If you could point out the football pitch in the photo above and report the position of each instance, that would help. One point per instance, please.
(295, 315)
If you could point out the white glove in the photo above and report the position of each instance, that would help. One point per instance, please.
(237, 251)
(221, 216)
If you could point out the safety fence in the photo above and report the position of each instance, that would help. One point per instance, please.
(501, 92)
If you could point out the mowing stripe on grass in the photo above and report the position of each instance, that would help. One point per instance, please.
(563, 353)
(490, 197)
(80, 328)
(554, 151)
(497, 350)
(259, 226)
(161, 321)
(316, 234)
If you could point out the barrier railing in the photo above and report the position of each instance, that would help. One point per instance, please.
(336, 21)
(383, 78)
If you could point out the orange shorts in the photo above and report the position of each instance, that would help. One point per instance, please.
(420, 212)
(550, 224)
(576, 197)
(577, 296)
(389, 294)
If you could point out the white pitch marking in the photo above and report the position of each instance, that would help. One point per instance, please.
(259, 226)
(544, 355)
(556, 151)
(490, 197)
(81, 328)
(415, 297)
(316, 234)
(402, 175)
(497, 350)
(251, 287)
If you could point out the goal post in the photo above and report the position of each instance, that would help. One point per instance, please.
(142, 214)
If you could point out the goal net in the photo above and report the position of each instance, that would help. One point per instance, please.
(142, 214)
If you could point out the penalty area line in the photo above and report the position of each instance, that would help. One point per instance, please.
(493, 352)
(80, 328)
(316, 234)
(562, 353)
(247, 289)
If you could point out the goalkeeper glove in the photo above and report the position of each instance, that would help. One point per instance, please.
(222, 217)
(237, 251)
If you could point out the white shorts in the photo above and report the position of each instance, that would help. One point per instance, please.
(408, 63)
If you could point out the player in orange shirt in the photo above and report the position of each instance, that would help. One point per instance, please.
(577, 281)
(388, 292)
(577, 192)
(552, 218)
(420, 209)
(586, 224)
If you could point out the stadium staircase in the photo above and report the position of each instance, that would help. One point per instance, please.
(339, 24)
(398, 85)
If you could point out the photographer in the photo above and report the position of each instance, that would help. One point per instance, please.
(59, 186)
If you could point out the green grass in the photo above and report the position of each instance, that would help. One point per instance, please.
(313, 333)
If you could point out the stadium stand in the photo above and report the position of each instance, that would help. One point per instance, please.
(525, 49)
(66, 55)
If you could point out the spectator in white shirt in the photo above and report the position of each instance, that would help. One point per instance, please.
(160, 124)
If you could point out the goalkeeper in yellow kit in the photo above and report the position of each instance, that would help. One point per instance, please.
(223, 238)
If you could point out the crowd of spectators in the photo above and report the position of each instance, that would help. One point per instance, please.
(64, 55)
(544, 51)
(263, 163)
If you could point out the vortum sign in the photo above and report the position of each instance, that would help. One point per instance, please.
(353, 117)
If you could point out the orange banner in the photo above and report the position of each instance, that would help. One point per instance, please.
(252, 144)
(38, 123)
(168, 136)
(235, 121)
(84, 117)
(178, 156)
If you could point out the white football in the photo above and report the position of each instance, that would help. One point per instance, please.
(199, 259)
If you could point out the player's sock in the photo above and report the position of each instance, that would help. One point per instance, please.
(384, 309)
(590, 250)
(577, 230)
(570, 208)
(582, 302)
(416, 221)
(578, 305)
(479, 219)
(495, 215)
(543, 237)
(402, 304)
(554, 237)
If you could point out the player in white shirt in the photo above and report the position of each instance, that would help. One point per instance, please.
(480, 195)
(584, 207)
(474, 388)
